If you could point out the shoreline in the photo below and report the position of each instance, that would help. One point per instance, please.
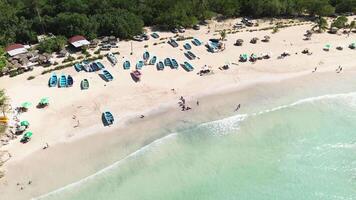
(177, 121)
(90, 147)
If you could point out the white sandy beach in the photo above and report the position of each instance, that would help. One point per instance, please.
(59, 165)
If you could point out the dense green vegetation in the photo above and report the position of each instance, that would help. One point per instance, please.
(54, 44)
(22, 20)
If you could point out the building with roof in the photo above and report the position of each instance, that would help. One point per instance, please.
(78, 41)
(15, 49)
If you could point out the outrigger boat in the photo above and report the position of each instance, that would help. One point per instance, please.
(146, 56)
(160, 65)
(196, 42)
(107, 75)
(139, 65)
(153, 60)
(62, 81)
(168, 62)
(136, 75)
(84, 84)
(126, 65)
(188, 67)
(175, 64)
(70, 81)
(112, 58)
(107, 118)
(52, 80)
(173, 43)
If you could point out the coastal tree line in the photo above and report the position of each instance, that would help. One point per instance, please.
(23, 20)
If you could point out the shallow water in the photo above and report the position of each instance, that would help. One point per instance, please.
(305, 150)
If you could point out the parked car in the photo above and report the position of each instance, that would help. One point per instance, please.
(138, 38)
(145, 36)
(174, 30)
(181, 29)
(196, 27)
(238, 25)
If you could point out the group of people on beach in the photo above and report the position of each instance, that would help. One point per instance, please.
(183, 105)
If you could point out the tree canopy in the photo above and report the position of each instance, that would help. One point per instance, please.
(22, 20)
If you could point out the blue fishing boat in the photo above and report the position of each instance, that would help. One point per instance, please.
(160, 65)
(107, 75)
(139, 65)
(84, 84)
(107, 118)
(188, 67)
(190, 55)
(62, 81)
(52, 82)
(175, 64)
(173, 43)
(168, 62)
(70, 81)
(146, 56)
(153, 60)
(187, 46)
(196, 42)
(100, 65)
(155, 35)
(127, 65)
(78, 67)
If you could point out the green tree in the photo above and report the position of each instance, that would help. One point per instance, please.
(223, 34)
(343, 6)
(340, 22)
(69, 24)
(52, 44)
(4, 102)
(321, 24)
(120, 23)
(352, 26)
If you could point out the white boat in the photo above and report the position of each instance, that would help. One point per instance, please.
(112, 58)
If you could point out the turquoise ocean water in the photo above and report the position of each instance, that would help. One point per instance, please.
(304, 150)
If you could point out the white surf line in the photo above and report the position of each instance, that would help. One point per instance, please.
(115, 164)
(233, 119)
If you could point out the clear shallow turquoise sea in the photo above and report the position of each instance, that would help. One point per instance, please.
(304, 150)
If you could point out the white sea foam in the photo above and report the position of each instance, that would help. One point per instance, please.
(226, 125)
(219, 127)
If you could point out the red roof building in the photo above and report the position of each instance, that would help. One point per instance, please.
(78, 41)
(15, 49)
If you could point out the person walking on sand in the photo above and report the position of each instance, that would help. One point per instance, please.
(339, 70)
(238, 107)
(197, 103)
(316, 68)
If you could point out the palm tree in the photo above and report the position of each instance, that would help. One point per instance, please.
(223, 34)
(4, 102)
(352, 26)
(321, 24)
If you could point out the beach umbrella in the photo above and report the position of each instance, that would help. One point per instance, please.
(44, 100)
(26, 104)
(328, 46)
(28, 134)
(24, 123)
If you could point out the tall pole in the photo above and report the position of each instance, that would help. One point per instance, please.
(131, 49)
